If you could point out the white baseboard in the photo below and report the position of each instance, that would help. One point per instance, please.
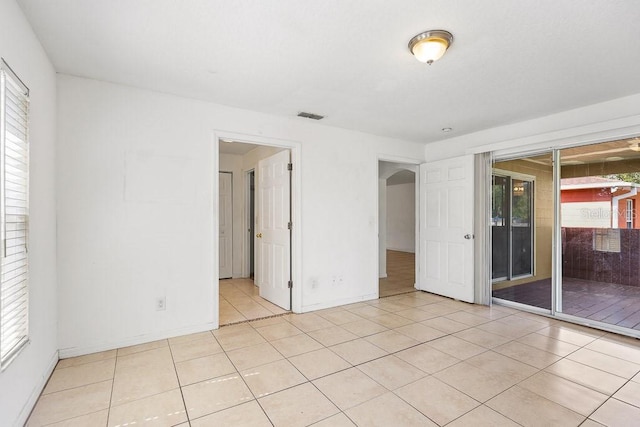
(140, 339)
(337, 303)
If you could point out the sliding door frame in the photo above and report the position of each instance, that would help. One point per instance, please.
(556, 267)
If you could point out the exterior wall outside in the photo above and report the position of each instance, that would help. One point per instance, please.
(622, 212)
(593, 208)
(586, 195)
(586, 214)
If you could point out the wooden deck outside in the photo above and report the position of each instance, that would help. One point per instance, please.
(605, 302)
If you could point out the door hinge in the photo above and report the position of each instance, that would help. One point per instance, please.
(290, 284)
(289, 226)
(290, 166)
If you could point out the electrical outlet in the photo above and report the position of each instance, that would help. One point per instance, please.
(161, 304)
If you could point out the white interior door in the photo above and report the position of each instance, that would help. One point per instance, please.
(273, 244)
(225, 225)
(446, 228)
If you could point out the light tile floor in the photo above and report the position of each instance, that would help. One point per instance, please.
(411, 359)
(240, 301)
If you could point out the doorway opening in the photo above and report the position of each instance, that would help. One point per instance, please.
(260, 261)
(396, 228)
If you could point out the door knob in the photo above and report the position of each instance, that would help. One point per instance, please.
(259, 235)
(468, 236)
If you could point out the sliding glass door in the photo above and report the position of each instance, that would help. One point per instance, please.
(600, 233)
(521, 230)
(595, 278)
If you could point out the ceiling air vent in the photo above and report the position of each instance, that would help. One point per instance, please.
(310, 116)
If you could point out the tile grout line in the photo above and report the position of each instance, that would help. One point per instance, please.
(175, 371)
(245, 382)
(113, 383)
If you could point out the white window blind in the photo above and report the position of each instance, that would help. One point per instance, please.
(14, 214)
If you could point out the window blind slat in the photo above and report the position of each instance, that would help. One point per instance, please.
(8, 268)
(13, 300)
(14, 210)
(12, 283)
(19, 143)
(13, 330)
(15, 305)
(15, 180)
(12, 326)
(11, 262)
(11, 129)
(17, 118)
(14, 269)
(15, 162)
(17, 146)
(13, 337)
(10, 292)
(18, 321)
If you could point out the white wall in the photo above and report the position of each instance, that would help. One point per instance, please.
(22, 381)
(401, 218)
(128, 233)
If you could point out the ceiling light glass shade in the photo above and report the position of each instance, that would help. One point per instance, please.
(429, 46)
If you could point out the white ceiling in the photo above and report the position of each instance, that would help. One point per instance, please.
(348, 60)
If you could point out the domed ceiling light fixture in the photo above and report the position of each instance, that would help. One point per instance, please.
(429, 46)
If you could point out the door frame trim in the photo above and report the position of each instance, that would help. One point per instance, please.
(296, 192)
